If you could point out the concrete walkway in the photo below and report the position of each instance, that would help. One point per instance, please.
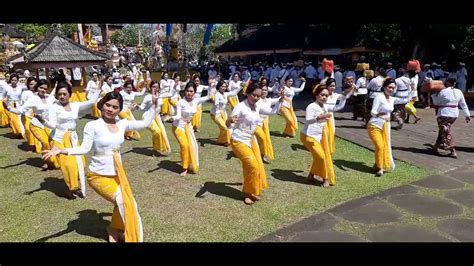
(437, 208)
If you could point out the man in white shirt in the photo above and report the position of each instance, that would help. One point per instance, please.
(274, 73)
(311, 75)
(310, 71)
(245, 73)
(375, 85)
(390, 71)
(232, 68)
(461, 77)
(267, 72)
(295, 75)
(338, 77)
(212, 73)
(76, 76)
(320, 71)
(283, 71)
(448, 102)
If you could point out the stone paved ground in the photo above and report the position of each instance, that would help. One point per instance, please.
(437, 208)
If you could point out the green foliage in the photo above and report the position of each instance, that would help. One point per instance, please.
(35, 31)
(195, 50)
(467, 46)
(129, 35)
(68, 29)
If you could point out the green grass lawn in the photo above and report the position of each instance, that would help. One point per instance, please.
(32, 207)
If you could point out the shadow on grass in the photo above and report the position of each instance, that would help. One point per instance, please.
(290, 176)
(51, 184)
(358, 166)
(11, 135)
(168, 165)
(277, 134)
(295, 147)
(147, 151)
(230, 155)
(220, 189)
(24, 147)
(33, 161)
(88, 223)
(208, 141)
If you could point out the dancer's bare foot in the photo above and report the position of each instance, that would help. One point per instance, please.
(266, 159)
(379, 172)
(248, 201)
(44, 167)
(435, 149)
(254, 197)
(68, 194)
(184, 173)
(78, 193)
(318, 179)
(453, 154)
(326, 183)
(113, 235)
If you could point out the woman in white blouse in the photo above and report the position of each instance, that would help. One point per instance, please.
(236, 84)
(128, 96)
(447, 101)
(335, 102)
(262, 132)
(177, 86)
(106, 174)
(196, 121)
(165, 87)
(33, 144)
(379, 125)
(62, 117)
(182, 128)
(159, 136)
(4, 119)
(40, 103)
(219, 114)
(316, 136)
(106, 86)
(91, 89)
(286, 109)
(244, 121)
(12, 95)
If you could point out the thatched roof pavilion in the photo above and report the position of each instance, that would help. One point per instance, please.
(57, 51)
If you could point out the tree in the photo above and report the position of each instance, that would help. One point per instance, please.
(129, 35)
(467, 46)
(68, 29)
(195, 50)
(36, 31)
